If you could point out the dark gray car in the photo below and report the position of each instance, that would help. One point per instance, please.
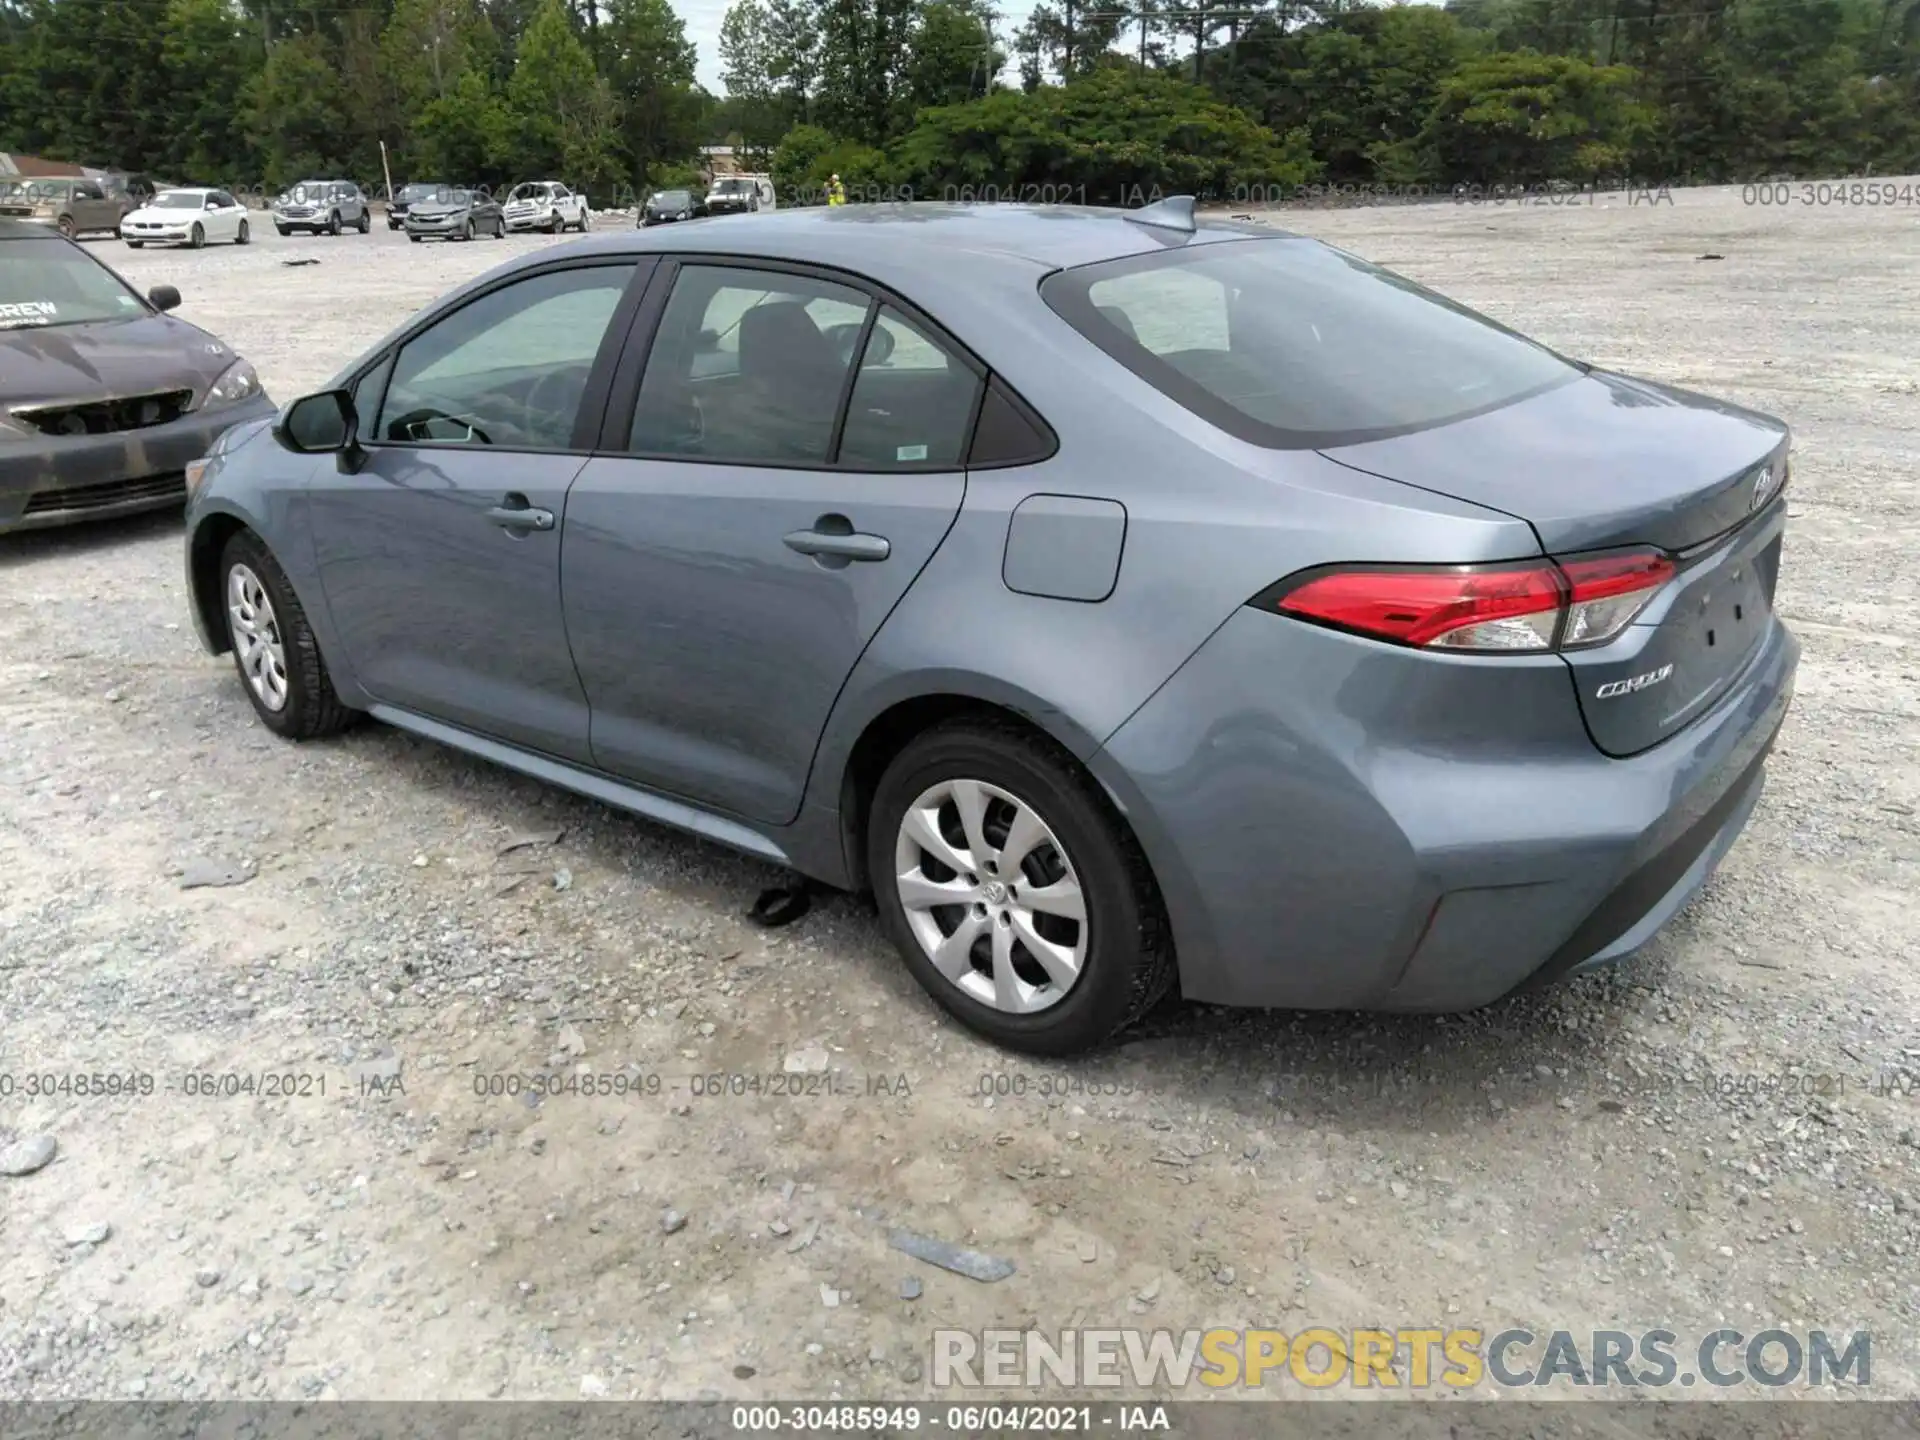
(454, 214)
(1124, 601)
(104, 399)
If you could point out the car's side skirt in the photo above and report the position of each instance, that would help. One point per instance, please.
(604, 788)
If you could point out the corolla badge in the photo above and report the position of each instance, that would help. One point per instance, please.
(1638, 682)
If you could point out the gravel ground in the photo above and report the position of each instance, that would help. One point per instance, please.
(1692, 1140)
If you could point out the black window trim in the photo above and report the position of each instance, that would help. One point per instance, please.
(587, 423)
(625, 393)
(1067, 294)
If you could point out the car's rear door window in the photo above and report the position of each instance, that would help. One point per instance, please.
(913, 401)
(1290, 343)
(748, 366)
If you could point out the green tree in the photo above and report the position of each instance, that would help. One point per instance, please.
(951, 57)
(1116, 135)
(295, 107)
(1521, 116)
(560, 121)
(649, 63)
(209, 62)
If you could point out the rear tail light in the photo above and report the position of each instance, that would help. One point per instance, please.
(1531, 606)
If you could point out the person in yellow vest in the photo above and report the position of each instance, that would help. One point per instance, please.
(836, 192)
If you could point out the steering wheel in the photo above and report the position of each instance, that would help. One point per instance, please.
(536, 415)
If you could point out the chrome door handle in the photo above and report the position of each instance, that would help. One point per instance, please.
(828, 545)
(520, 517)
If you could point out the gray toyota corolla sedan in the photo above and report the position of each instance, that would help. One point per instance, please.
(104, 399)
(1124, 600)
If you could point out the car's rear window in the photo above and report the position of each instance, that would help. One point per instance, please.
(1290, 343)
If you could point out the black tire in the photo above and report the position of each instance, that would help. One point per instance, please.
(66, 227)
(284, 229)
(135, 244)
(1129, 958)
(414, 238)
(466, 232)
(500, 229)
(242, 235)
(312, 709)
(198, 236)
(366, 222)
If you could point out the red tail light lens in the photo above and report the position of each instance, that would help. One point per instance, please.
(1531, 606)
(1607, 591)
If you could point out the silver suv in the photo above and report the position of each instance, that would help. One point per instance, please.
(322, 205)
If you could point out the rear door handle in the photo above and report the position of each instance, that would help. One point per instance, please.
(829, 544)
(520, 516)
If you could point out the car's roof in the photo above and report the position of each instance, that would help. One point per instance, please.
(896, 244)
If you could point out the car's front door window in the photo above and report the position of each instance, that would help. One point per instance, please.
(748, 366)
(507, 370)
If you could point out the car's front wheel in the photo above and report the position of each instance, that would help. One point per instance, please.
(135, 244)
(1013, 891)
(366, 222)
(274, 648)
(333, 223)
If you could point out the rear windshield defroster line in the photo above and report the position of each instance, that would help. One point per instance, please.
(1291, 344)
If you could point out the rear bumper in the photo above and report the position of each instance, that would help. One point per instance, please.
(1339, 825)
(60, 480)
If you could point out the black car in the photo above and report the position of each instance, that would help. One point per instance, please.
(106, 401)
(407, 197)
(665, 206)
(455, 214)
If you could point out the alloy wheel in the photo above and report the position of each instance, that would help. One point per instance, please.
(256, 636)
(991, 896)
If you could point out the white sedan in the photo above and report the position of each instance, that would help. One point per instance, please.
(545, 205)
(186, 217)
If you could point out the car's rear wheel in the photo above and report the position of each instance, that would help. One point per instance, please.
(274, 648)
(241, 236)
(1016, 896)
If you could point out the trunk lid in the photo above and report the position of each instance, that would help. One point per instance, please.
(1608, 461)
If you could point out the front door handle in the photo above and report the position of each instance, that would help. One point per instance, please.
(517, 514)
(834, 538)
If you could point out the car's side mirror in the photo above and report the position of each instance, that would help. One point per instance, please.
(164, 298)
(322, 424)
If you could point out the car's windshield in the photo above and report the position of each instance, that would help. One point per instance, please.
(178, 200)
(673, 197)
(730, 187)
(530, 192)
(411, 193)
(1288, 342)
(50, 282)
